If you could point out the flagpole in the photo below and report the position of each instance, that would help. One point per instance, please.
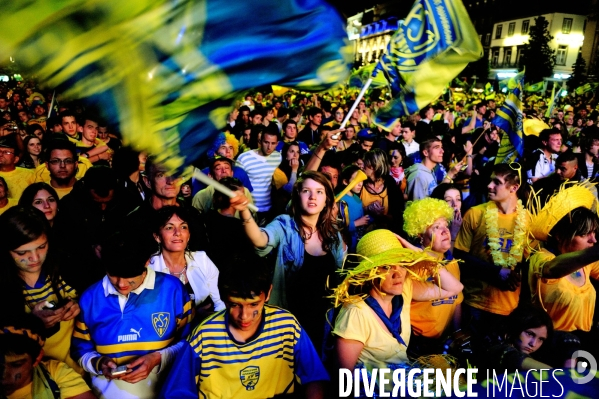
(51, 104)
(207, 180)
(355, 104)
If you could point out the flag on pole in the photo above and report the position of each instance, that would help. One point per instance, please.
(432, 45)
(170, 71)
(553, 101)
(509, 119)
(534, 88)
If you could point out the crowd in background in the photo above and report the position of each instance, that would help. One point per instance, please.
(95, 235)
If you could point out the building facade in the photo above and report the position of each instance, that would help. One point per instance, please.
(508, 38)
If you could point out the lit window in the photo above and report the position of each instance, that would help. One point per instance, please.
(498, 31)
(567, 25)
(561, 54)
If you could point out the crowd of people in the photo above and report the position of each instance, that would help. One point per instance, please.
(369, 248)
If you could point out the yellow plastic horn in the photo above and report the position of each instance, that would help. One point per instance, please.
(361, 176)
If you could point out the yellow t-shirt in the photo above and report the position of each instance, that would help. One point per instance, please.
(69, 382)
(359, 322)
(570, 307)
(17, 180)
(473, 238)
(431, 319)
(42, 174)
(58, 345)
(368, 198)
(11, 202)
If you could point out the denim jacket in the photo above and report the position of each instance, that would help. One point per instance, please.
(283, 234)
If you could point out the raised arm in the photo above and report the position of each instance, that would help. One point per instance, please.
(565, 264)
(426, 291)
(327, 143)
(258, 237)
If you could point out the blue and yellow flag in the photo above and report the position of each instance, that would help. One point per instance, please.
(509, 119)
(169, 71)
(433, 44)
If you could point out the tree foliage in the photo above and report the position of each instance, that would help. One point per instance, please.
(538, 58)
(578, 73)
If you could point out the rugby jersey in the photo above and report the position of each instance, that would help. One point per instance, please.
(214, 365)
(57, 346)
(149, 321)
(260, 170)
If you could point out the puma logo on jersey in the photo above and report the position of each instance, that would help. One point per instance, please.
(130, 337)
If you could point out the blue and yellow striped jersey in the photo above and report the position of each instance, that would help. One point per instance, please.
(149, 322)
(214, 365)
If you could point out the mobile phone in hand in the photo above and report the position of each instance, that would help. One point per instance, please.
(119, 370)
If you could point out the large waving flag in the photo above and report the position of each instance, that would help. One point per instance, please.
(509, 119)
(168, 71)
(432, 45)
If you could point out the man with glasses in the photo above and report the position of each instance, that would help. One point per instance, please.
(16, 178)
(491, 242)
(62, 164)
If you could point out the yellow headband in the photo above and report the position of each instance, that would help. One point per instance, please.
(23, 331)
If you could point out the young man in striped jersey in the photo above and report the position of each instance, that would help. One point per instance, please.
(260, 165)
(248, 350)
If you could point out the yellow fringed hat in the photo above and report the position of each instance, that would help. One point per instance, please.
(421, 214)
(381, 248)
(559, 205)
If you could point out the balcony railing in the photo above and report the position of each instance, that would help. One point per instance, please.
(504, 65)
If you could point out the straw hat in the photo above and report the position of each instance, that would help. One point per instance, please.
(381, 248)
(565, 201)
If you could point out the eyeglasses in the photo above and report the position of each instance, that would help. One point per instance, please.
(65, 162)
(338, 113)
(6, 152)
(518, 167)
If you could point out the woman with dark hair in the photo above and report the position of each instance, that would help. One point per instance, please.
(32, 154)
(309, 249)
(194, 269)
(43, 197)
(285, 175)
(381, 196)
(559, 274)
(31, 279)
(398, 162)
(511, 348)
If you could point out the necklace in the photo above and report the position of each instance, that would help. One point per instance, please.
(517, 249)
(181, 275)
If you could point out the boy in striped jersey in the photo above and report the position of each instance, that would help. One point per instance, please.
(248, 350)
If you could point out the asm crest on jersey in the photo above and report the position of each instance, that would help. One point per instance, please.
(160, 322)
(249, 377)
